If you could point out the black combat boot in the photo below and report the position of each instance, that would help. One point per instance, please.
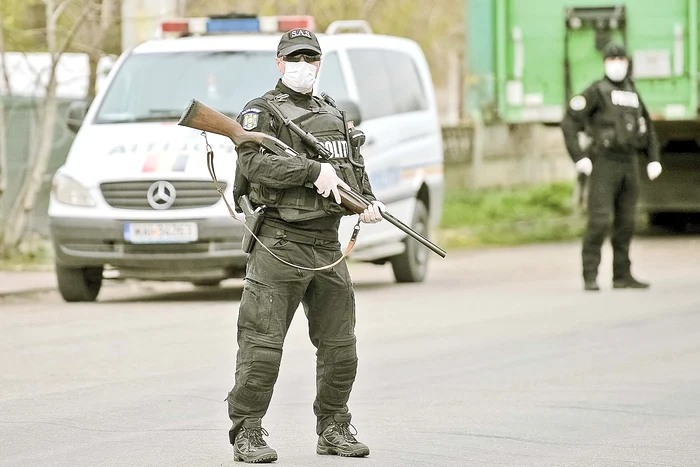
(629, 282)
(249, 445)
(338, 439)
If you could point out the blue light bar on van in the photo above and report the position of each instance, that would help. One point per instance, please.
(178, 27)
(215, 26)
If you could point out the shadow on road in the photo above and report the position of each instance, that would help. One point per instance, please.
(368, 286)
(225, 293)
(198, 294)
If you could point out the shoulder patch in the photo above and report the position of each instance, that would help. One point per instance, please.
(250, 119)
(577, 103)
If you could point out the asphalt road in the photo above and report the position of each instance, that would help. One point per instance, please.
(498, 359)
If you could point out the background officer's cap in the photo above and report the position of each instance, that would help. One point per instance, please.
(614, 50)
(297, 40)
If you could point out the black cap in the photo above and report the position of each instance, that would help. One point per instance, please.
(614, 50)
(297, 40)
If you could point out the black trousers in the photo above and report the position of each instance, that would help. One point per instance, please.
(271, 295)
(613, 192)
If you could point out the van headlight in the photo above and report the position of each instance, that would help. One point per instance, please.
(68, 191)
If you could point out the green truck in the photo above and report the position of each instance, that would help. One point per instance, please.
(527, 58)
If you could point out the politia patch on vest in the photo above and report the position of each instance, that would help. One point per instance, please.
(250, 120)
(577, 103)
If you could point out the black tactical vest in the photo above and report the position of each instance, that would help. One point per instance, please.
(619, 126)
(326, 123)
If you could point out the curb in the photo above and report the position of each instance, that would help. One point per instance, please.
(53, 288)
(23, 292)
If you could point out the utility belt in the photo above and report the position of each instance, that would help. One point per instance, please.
(619, 154)
(267, 230)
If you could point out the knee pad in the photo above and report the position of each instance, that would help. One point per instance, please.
(259, 363)
(340, 362)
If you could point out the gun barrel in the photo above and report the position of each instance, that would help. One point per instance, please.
(358, 203)
(414, 235)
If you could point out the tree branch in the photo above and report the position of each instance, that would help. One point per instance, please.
(3, 57)
(367, 7)
(59, 10)
(3, 134)
(75, 27)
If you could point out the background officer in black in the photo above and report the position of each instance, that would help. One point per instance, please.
(301, 227)
(612, 113)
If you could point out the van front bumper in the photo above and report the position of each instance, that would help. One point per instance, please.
(81, 242)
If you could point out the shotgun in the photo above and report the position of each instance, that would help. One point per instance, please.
(202, 117)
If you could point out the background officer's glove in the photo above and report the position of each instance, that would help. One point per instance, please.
(653, 170)
(584, 166)
(373, 213)
(328, 182)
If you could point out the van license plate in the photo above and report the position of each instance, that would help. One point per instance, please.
(161, 232)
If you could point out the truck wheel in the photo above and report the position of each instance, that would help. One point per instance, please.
(79, 284)
(675, 222)
(412, 264)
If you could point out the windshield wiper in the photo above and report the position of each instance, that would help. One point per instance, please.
(165, 112)
(155, 115)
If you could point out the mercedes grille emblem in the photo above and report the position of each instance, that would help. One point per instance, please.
(161, 195)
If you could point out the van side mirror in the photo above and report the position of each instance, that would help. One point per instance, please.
(352, 111)
(76, 115)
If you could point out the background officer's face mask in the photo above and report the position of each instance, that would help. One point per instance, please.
(616, 70)
(299, 76)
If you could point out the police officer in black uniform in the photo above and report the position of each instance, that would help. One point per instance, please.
(612, 113)
(302, 216)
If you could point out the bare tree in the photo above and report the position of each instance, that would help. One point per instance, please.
(15, 223)
(98, 27)
(3, 130)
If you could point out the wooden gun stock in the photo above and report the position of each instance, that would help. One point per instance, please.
(202, 117)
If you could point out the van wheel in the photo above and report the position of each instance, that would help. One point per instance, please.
(412, 264)
(79, 284)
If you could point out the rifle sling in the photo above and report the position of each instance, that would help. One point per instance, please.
(212, 173)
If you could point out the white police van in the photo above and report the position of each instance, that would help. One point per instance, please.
(135, 197)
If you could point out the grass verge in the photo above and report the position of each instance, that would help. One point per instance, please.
(511, 216)
(34, 253)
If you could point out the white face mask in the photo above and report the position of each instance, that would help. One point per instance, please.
(616, 70)
(299, 76)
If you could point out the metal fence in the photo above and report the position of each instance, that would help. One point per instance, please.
(21, 120)
(458, 147)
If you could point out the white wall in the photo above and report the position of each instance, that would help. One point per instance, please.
(28, 74)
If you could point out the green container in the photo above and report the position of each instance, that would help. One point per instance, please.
(526, 58)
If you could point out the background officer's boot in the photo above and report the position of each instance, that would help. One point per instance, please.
(338, 439)
(629, 282)
(249, 445)
(590, 285)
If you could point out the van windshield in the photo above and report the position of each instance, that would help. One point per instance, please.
(158, 87)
